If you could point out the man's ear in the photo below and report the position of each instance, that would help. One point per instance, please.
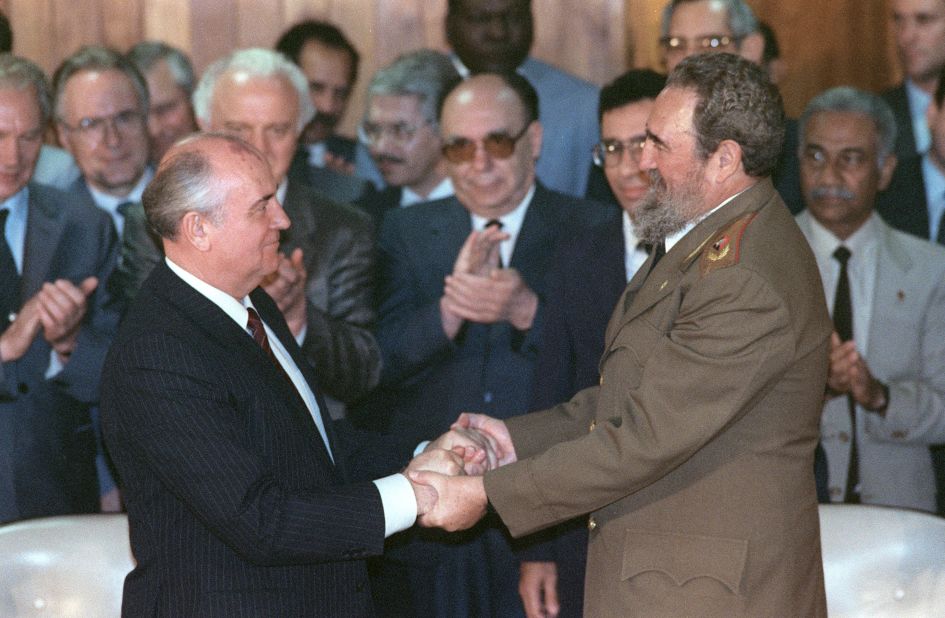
(726, 161)
(535, 135)
(753, 48)
(195, 229)
(886, 171)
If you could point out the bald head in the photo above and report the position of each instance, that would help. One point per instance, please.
(491, 139)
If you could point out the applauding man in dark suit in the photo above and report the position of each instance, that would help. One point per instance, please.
(237, 494)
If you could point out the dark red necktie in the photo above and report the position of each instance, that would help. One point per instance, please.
(255, 326)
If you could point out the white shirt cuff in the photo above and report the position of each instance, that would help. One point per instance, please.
(421, 447)
(55, 366)
(399, 501)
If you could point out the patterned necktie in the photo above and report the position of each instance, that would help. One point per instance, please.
(9, 277)
(255, 327)
(843, 324)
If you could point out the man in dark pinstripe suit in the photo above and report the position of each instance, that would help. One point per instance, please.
(237, 494)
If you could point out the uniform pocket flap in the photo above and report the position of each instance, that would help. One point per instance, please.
(684, 557)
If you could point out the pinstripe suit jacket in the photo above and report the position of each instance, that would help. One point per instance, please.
(234, 507)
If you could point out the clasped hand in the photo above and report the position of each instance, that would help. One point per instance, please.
(477, 443)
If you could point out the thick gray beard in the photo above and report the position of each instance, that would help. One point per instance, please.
(662, 213)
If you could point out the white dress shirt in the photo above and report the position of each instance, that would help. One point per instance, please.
(109, 203)
(397, 495)
(511, 225)
(633, 252)
(408, 197)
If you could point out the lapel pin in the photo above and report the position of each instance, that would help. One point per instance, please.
(663, 285)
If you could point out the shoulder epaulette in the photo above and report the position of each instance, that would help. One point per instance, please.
(724, 249)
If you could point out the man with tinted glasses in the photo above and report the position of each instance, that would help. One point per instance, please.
(460, 320)
(589, 272)
(401, 132)
(496, 35)
(695, 26)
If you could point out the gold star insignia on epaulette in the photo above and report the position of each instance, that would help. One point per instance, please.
(724, 249)
(719, 249)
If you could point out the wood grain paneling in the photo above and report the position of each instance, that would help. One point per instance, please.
(824, 43)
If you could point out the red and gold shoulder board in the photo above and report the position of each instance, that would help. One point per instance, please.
(725, 247)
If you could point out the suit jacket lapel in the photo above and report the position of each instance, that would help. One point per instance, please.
(44, 227)
(446, 236)
(893, 263)
(217, 326)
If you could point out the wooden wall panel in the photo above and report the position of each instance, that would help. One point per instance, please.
(825, 43)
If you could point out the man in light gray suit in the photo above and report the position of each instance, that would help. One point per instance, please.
(56, 319)
(885, 399)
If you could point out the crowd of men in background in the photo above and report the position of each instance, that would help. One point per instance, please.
(379, 277)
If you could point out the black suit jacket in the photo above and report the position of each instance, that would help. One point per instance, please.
(898, 100)
(234, 507)
(378, 203)
(903, 204)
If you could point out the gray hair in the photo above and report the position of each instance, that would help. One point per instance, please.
(425, 74)
(848, 99)
(19, 73)
(186, 181)
(96, 58)
(256, 62)
(146, 54)
(741, 19)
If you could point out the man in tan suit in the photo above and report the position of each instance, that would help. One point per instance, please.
(694, 455)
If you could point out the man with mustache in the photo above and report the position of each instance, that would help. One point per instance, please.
(693, 454)
(885, 399)
(401, 131)
(325, 160)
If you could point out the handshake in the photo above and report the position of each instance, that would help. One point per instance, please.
(447, 476)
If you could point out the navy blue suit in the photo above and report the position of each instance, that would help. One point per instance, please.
(234, 507)
(586, 279)
(430, 379)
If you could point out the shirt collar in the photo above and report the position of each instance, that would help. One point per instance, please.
(281, 190)
(511, 221)
(823, 242)
(109, 203)
(17, 204)
(408, 197)
(234, 308)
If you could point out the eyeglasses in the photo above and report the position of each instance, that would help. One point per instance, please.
(609, 152)
(127, 122)
(678, 44)
(370, 133)
(847, 160)
(499, 145)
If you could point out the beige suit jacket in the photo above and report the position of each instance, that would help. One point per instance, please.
(694, 456)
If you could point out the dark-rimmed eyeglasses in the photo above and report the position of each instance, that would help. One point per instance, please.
(709, 42)
(609, 152)
(499, 145)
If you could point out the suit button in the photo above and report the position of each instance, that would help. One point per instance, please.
(361, 585)
(593, 425)
(843, 437)
(23, 387)
(899, 435)
(591, 524)
(487, 396)
(835, 492)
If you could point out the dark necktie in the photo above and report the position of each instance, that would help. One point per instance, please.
(123, 208)
(255, 327)
(843, 324)
(9, 277)
(497, 224)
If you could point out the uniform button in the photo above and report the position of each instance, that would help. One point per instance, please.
(591, 524)
(593, 425)
(487, 396)
(602, 380)
(899, 435)
(23, 387)
(843, 436)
